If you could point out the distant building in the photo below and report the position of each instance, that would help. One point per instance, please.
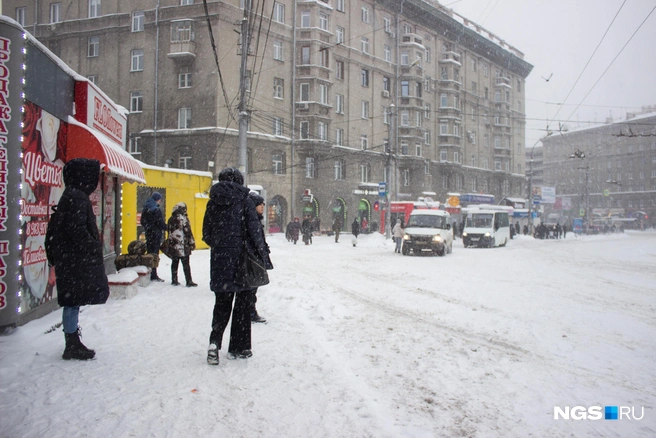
(343, 94)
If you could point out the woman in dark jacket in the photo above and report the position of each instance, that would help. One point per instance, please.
(73, 247)
(259, 208)
(152, 220)
(230, 219)
(181, 243)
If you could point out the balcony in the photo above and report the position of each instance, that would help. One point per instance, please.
(411, 72)
(503, 82)
(411, 39)
(182, 50)
(450, 58)
(411, 102)
(413, 133)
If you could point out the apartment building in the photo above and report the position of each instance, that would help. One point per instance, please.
(342, 94)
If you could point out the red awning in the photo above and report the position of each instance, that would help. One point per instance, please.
(83, 142)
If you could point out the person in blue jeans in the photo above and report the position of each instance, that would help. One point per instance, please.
(397, 232)
(73, 247)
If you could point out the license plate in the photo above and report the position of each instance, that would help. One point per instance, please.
(475, 239)
(421, 243)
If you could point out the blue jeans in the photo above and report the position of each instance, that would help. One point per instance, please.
(399, 241)
(70, 318)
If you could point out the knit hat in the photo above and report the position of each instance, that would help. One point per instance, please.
(257, 199)
(156, 196)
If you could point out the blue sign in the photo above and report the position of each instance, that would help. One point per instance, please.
(382, 189)
(471, 198)
(537, 199)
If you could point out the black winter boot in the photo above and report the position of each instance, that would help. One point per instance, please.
(153, 275)
(75, 349)
(174, 279)
(187, 273)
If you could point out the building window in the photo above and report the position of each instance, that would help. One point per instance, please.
(278, 88)
(137, 60)
(182, 31)
(364, 45)
(339, 70)
(387, 24)
(427, 137)
(339, 35)
(364, 142)
(304, 130)
(406, 29)
(339, 104)
(456, 129)
(418, 119)
(93, 79)
(365, 14)
(340, 5)
(278, 54)
(386, 84)
(444, 102)
(364, 173)
(444, 127)
(443, 155)
(339, 170)
(138, 21)
(497, 165)
(305, 19)
(277, 163)
(55, 12)
(365, 109)
(322, 131)
(364, 77)
(405, 57)
(309, 167)
(388, 53)
(459, 181)
(386, 115)
(323, 94)
(456, 159)
(93, 46)
(325, 57)
(277, 126)
(184, 78)
(20, 16)
(135, 148)
(445, 180)
(136, 102)
(406, 177)
(405, 118)
(429, 55)
(305, 92)
(305, 55)
(94, 8)
(191, 2)
(472, 137)
(279, 12)
(418, 149)
(323, 21)
(184, 158)
(427, 111)
(339, 136)
(486, 72)
(404, 147)
(184, 118)
(405, 88)
(486, 166)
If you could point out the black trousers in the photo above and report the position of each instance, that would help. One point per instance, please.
(240, 330)
(185, 268)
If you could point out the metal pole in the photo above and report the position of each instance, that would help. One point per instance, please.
(530, 194)
(388, 206)
(243, 78)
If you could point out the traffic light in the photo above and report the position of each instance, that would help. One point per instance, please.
(376, 206)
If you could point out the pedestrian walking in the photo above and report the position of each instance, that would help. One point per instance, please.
(337, 227)
(229, 225)
(397, 232)
(258, 201)
(74, 248)
(152, 220)
(355, 230)
(181, 243)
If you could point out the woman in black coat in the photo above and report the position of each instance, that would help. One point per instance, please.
(230, 220)
(73, 247)
(258, 201)
(181, 243)
(152, 220)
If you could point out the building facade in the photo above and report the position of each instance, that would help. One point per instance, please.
(604, 171)
(342, 94)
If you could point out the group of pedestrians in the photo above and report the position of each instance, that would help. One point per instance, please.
(544, 231)
(232, 224)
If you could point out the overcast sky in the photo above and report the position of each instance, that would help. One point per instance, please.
(559, 37)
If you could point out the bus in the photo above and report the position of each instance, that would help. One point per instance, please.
(486, 226)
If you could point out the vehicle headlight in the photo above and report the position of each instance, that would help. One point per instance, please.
(437, 238)
(406, 237)
(487, 234)
(464, 234)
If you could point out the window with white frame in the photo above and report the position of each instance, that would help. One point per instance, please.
(426, 167)
(278, 88)
(443, 155)
(456, 157)
(191, 2)
(404, 147)
(364, 142)
(418, 149)
(136, 102)
(427, 137)
(507, 166)
(93, 46)
(277, 126)
(387, 24)
(304, 130)
(279, 12)
(364, 77)
(364, 173)
(387, 51)
(277, 164)
(278, 53)
(405, 118)
(138, 21)
(445, 181)
(405, 88)
(406, 177)
(427, 111)
(304, 94)
(386, 84)
(472, 137)
(309, 167)
(339, 70)
(184, 78)
(137, 60)
(340, 5)
(459, 182)
(184, 158)
(364, 45)
(94, 8)
(427, 84)
(339, 136)
(323, 21)
(365, 109)
(429, 55)
(339, 103)
(20, 16)
(497, 165)
(473, 160)
(182, 31)
(386, 115)
(407, 29)
(339, 170)
(323, 94)
(456, 129)
(444, 127)
(305, 55)
(184, 118)
(55, 12)
(325, 57)
(405, 57)
(365, 14)
(456, 102)
(305, 19)
(486, 166)
(418, 119)
(339, 35)
(486, 72)
(322, 131)
(444, 101)
(135, 147)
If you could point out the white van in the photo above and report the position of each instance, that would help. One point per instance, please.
(428, 231)
(486, 228)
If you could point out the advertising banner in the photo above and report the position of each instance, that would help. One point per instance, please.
(548, 195)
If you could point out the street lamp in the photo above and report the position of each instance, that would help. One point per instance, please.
(581, 156)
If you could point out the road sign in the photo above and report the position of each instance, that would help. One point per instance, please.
(382, 189)
(606, 192)
(537, 199)
(582, 212)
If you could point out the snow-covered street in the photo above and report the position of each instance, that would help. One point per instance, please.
(362, 342)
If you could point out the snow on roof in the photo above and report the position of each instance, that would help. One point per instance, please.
(172, 169)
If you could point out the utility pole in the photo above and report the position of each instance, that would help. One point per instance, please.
(243, 83)
(388, 171)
